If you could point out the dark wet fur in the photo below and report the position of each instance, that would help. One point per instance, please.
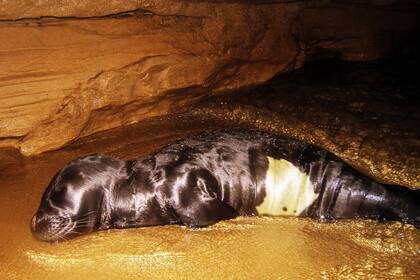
(206, 178)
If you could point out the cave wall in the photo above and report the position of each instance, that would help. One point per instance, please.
(72, 68)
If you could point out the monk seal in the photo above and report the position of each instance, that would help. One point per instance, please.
(210, 177)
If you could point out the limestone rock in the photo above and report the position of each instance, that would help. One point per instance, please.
(72, 68)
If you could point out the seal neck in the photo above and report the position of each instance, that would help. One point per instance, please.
(110, 191)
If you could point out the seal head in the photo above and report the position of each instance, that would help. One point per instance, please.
(72, 204)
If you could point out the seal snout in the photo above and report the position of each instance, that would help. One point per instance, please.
(48, 227)
(33, 223)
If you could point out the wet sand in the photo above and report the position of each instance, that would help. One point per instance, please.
(243, 248)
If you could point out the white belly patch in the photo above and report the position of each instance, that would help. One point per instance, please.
(288, 190)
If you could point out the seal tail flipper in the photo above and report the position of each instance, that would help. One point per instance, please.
(390, 203)
(345, 193)
(404, 204)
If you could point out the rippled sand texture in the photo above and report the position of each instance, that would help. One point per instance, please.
(244, 248)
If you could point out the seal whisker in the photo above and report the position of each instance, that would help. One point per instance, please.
(87, 218)
(87, 215)
(82, 220)
(80, 226)
(76, 232)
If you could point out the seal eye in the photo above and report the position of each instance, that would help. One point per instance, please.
(59, 195)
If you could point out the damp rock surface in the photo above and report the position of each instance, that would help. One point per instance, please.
(365, 113)
(69, 69)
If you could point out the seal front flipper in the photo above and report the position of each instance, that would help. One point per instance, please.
(203, 213)
(198, 203)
